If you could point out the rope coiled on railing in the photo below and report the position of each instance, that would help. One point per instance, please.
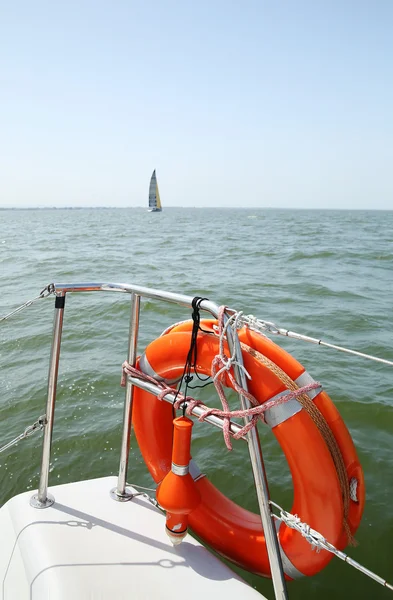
(255, 412)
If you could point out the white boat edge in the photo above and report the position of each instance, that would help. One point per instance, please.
(87, 545)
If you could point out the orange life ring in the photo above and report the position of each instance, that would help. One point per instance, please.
(232, 531)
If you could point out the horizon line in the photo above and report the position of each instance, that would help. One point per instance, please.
(87, 207)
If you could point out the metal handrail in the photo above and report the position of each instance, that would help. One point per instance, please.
(198, 410)
(42, 499)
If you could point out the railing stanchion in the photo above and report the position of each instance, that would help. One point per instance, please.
(42, 499)
(260, 480)
(120, 493)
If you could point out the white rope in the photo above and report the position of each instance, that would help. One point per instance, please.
(319, 542)
(228, 363)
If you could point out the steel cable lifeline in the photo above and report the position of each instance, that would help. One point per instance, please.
(36, 426)
(260, 325)
(44, 293)
(253, 322)
(318, 542)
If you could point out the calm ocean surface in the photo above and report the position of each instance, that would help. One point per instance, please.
(327, 274)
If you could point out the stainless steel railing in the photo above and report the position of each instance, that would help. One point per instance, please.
(42, 499)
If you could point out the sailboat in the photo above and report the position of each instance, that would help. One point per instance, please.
(154, 195)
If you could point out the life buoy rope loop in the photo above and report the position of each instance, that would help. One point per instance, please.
(232, 531)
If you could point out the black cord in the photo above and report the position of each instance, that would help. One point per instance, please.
(192, 356)
(193, 352)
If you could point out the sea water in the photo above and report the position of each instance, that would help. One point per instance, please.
(327, 274)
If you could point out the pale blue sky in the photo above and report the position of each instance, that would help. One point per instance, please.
(251, 103)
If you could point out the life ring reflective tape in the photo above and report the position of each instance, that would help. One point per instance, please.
(231, 530)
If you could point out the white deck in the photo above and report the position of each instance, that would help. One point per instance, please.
(87, 546)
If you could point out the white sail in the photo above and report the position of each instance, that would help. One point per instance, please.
(154, 195)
